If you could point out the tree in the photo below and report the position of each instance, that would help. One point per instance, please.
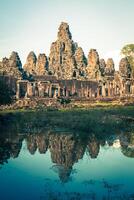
(128, 51)
(64, 101)
(6, 94)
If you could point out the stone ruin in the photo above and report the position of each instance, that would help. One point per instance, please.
(11, 66)
(68, 73)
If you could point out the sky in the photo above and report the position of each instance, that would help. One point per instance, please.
(32, 25)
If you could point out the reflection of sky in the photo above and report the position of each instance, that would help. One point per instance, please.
(25, 176)
(106, 25)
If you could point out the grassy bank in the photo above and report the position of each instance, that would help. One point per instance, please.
(95, 120)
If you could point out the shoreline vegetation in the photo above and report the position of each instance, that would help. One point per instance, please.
(97, 120)
(66, 103)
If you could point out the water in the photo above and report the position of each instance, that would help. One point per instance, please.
(60, 165)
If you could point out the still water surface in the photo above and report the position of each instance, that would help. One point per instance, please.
(59, 165)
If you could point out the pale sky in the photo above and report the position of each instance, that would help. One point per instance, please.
(32, 25)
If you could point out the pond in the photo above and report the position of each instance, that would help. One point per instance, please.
(65, 164)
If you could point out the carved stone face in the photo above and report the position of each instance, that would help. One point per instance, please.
(124, 67)
(64, 32)
(109, 70)
(93, 58)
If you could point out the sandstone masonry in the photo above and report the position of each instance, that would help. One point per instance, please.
(66, 72)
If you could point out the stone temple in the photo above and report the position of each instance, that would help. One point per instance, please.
(66, 72)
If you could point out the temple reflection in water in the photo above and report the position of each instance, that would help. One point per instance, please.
(65, 148)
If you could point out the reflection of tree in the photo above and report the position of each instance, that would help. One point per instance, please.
(4, 152)
(127, 145)
(128, 151)
(9, 147)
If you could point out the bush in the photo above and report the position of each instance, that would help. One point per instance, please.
(6, 94)
(64, 101)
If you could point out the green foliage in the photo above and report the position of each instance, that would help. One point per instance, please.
(6, 94)
(96, 120)
(128, 51)
(64, 101)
